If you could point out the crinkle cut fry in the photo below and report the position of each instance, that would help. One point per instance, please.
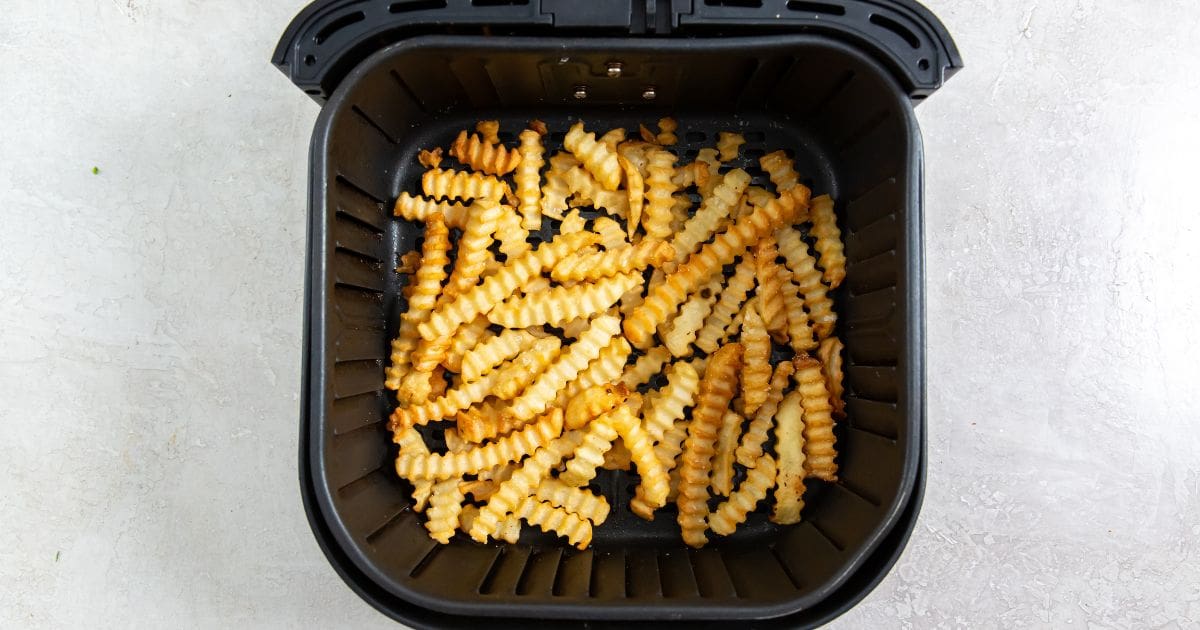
(829, 240)
(808, 280)
(660, 188)
(563, 304)
(645, 367)
(728, 515)
(529, 179)
(444, 406)
(411, 443)
(819, 452)
(522, 484)
(579, 501)
(475, 459)
(488, 355)
(666, 297)
(769, 298)
(830, 354)
(577, 530)
(679, 334)
(492, 158)
(717, 388)
(714, 210)
(789, 451)
(447, 184)
(605, 369)
(756, 376)
(429, 277)
(683, 383)
(464, 340)
(589, 456)
(418, 208)
(596, 157)
(727, 440)
(445, 505)
(755, 436)
(592, 403)
(728, 304)
(545, 388)
(611, 262)
(641, 449)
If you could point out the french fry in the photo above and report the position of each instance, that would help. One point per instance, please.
(613, 137)
(449, 184)
(417, 208)
(464, 340)
(727, 441)
(483, 297)
(618, 457)
(511, 448)
(445, 406)
(691, 174)
(555, 191)
(756, 376)
(490, 130)
(580, 501)
(728, 304)
(716, 390)
(596, 157)
(408, 263)
(478, 423)
(781, 170)
(679, 334)
(411, 443)
(612, 235)
(575, 327)
(728, 515)
(521, 485)
(647, 136)
(751, 448)
(592, 403)
(489, 354)
(708, 156)
(645, 367)
(728, 144)
(430, 158)
(597, 440)
(612, 262)
(481, 155)
(654, 479)
(830, 354)
(659, 188)
(758, 196)
(790, 450)
(588, 191)
(417, 385)
(563, 304)
(512, 236)
(429, 277)
(545, 388)
(507, 529)
(528, 178)
(829, 241)
(666, 132)
(808, 281)
(726, 246)
(527, 366)
(769, 299)
(819, 452)
(577, 530)
(605, 369)
(713, 213)
(445, 504)
(799, 332)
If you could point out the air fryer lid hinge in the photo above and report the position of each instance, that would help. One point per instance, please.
(329, 37)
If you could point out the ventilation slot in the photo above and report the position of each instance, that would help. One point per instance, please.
(337, 25)
(733, 3)
(416, 5)
(816, 7)
(498, 3)
(899, 29)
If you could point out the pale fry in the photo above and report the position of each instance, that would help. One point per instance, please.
(490, 130)
(829, 240)
(612, 235)
(665, 409)
(449, 184)
(641, 450)
(418, 208)
(756, 376)
(666, 132)
(604, 369)
(484, 155)
(563, 304)
(596, 157)
(512, 236)
(789, 451)
(526, 366)
(528, 178)
(444, 406)
(429, 277)
(445, 504)
(659, 188)
(545, 388)
(781, 170)
(592, 403)
(623, 259)
(576, 530)
(597, 440)
(751, 448)
(729, 514)
(728, 144)
(714, 211)
(489, 354)
(508, 449)
(580, 501)
(808, 281)
(819, 452)
(799, 332)
(830, 354)
(727, 440)
(645, 367)
(523, 482)
(464, 340)
(728, 304)
(411, 443)
(717, 388)
(681, 331)
(473, 248)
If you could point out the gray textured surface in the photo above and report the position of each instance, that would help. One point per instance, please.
(150, 322)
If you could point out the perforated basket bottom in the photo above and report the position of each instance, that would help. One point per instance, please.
(635, 568)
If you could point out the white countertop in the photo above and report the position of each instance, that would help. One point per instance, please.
(150, 322)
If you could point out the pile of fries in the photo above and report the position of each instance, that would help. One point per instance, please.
(535, 362)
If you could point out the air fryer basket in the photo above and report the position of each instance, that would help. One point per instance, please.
(848, 122)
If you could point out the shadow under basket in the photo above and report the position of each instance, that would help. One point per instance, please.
(848, 122)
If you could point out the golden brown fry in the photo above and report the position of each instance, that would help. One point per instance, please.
(728, 515)
(683, 383)
(789, 450)
(769, 298)
(679, 333)
(612, 235)
(489, 354)
(508, 449)
(478, 423)
(545, 388)
(593, 402)
(507, 529)
(808, 281)
(781, 170)
(444, 406)
(665, 298)
(755, 436)
(445, 504)
(728, 304)
(654, 479)
(429, 277)
(408, 263)
(613, 137)
(473, 247)
(758, 196)
(418, 208)
(722, 464)
(611, 262)
(819, 451)
(483, 297)
(576, 530)
(728, 144)
(829, 240)
(799, 333)
(580, 501)
(714, 212)
(647, 135)
(692, 174)
(555, 191)
(464, 340)
(659, 189)
(716, 390)
(411, 443)
(523, 482)
(563, 304)
(527, 366)
(708, 155)
(489, 157)
(756, 376)
(618, 458)
(596, 157)
(645, 367)
(529, 179)
(511, 235)
(490, 130)
(430, 158)
(597, 440)
(605, 369)
(666, 132)
(449, 184)
(830, 354)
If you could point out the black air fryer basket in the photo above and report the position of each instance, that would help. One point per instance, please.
(833, 82)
